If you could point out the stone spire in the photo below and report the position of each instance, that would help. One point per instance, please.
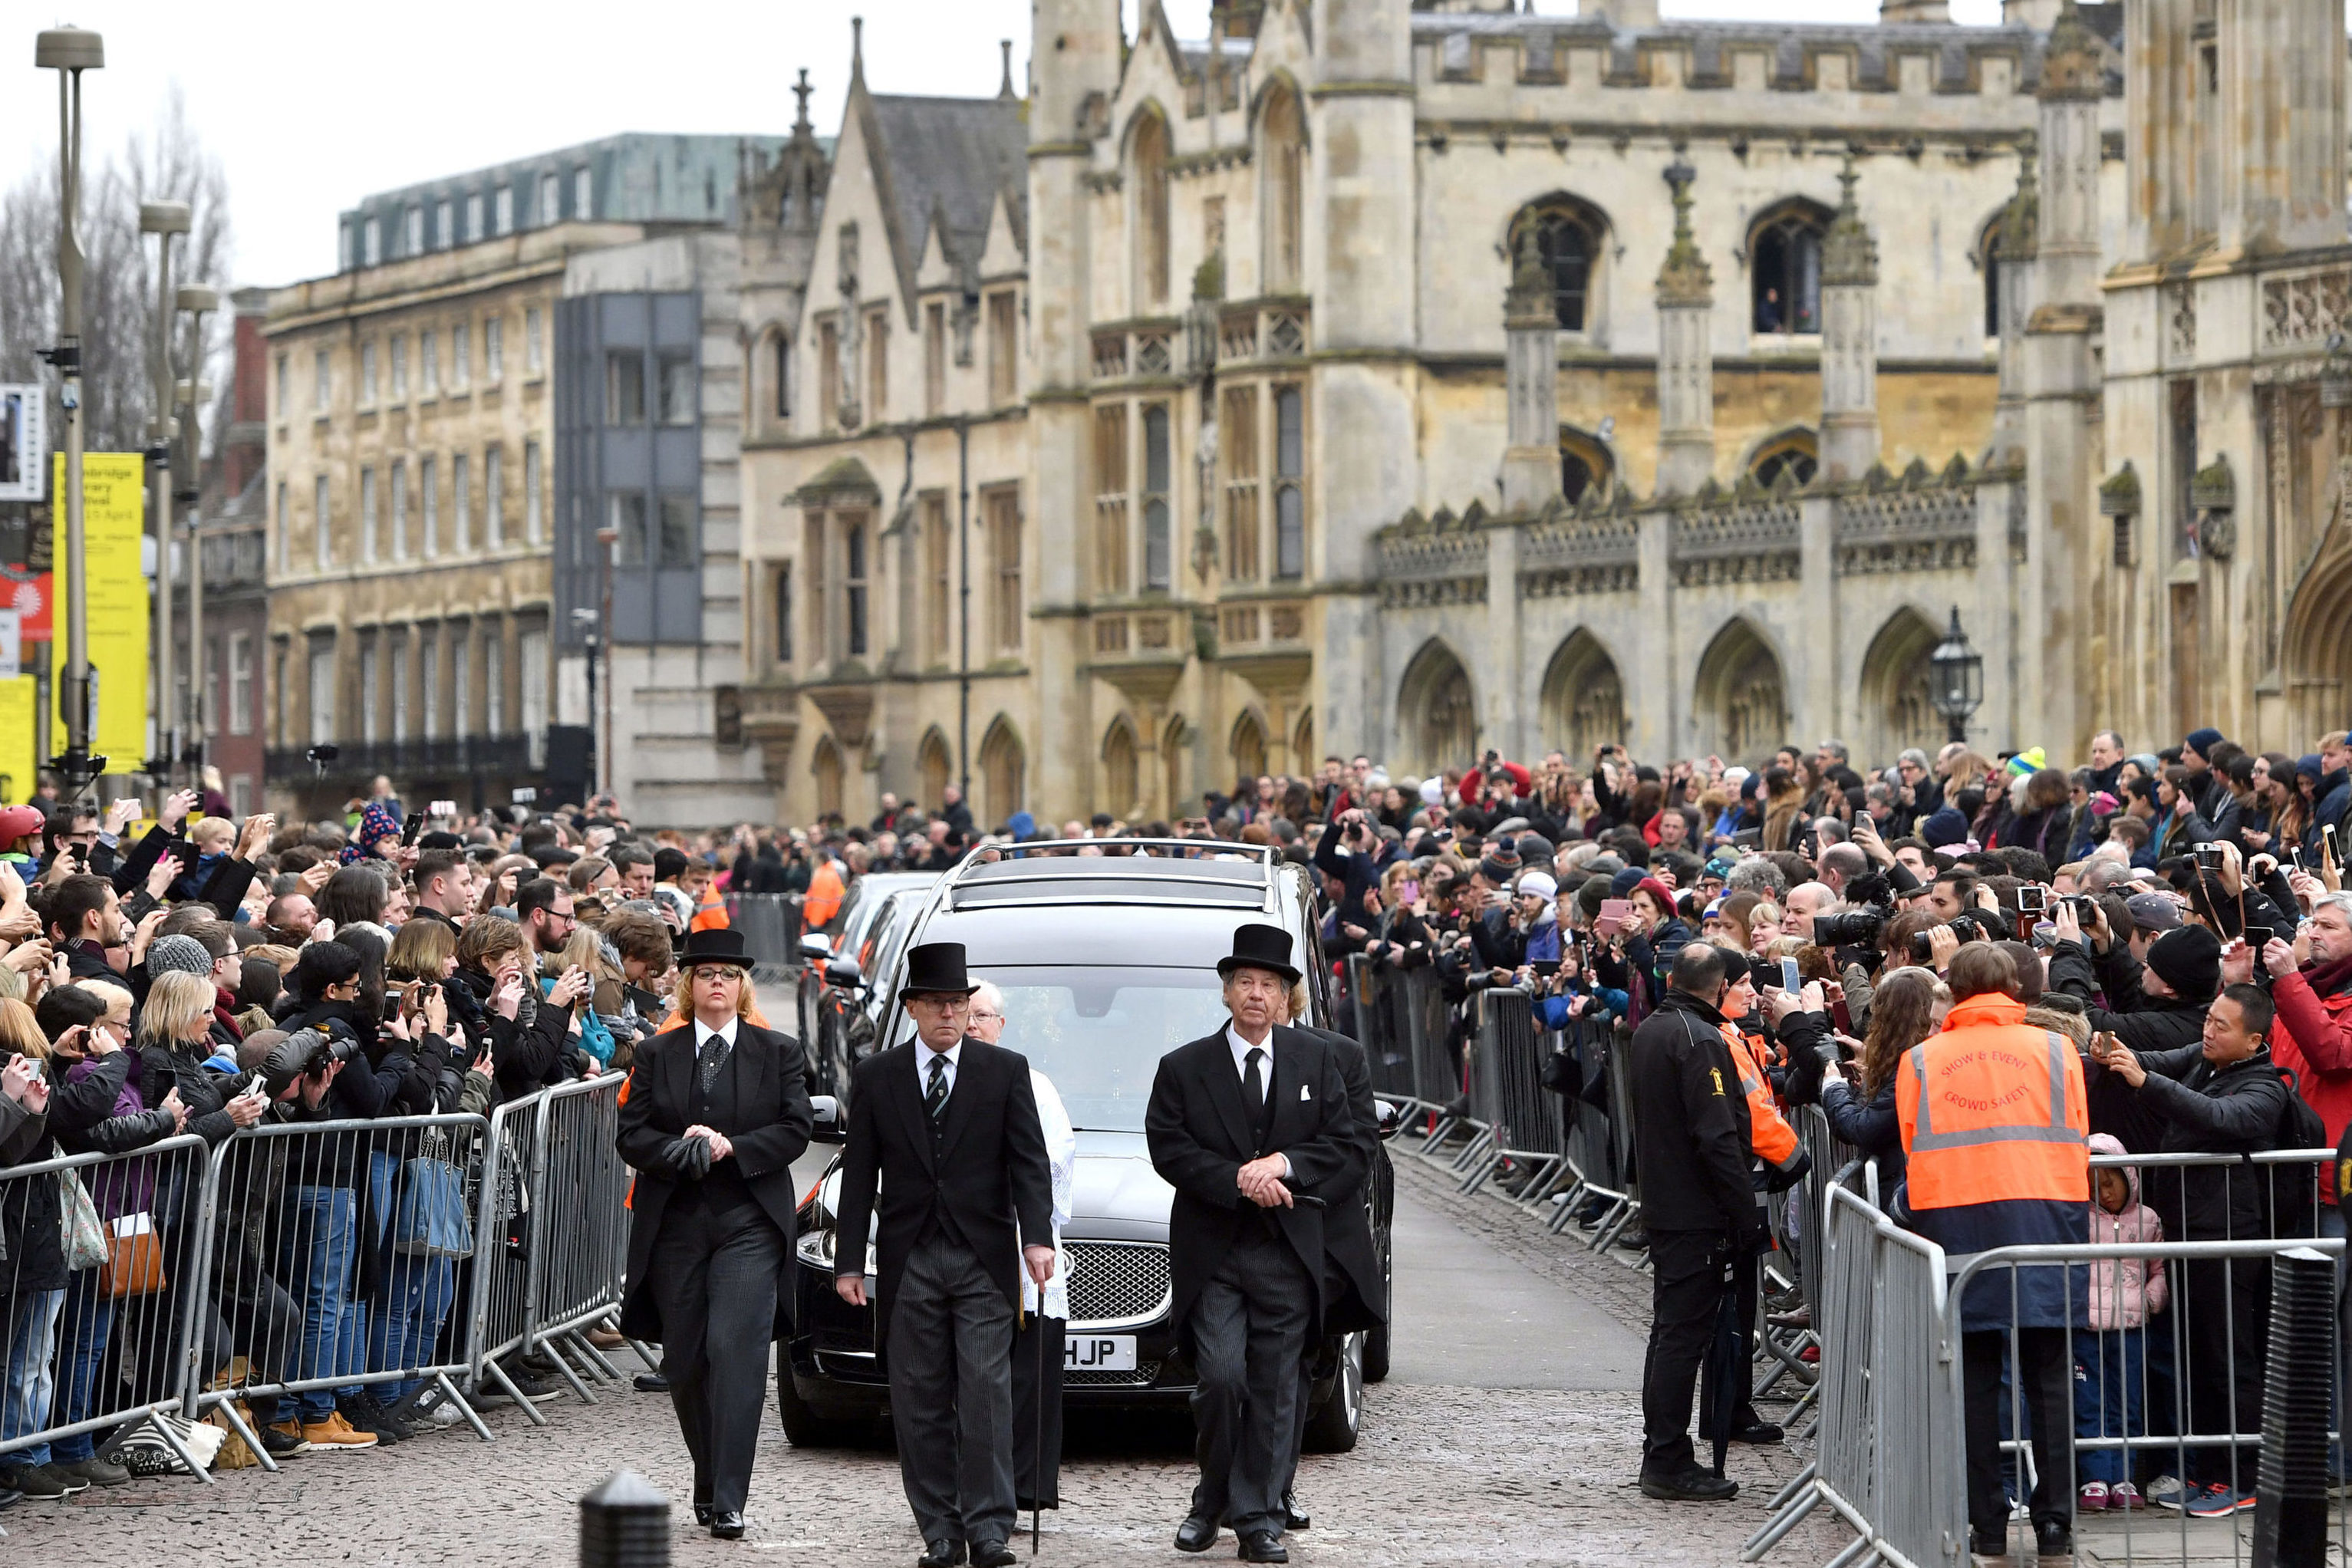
(1685, 356)
(2066, 215)
(1531, 379)
(2012, 260)
(1848, 340)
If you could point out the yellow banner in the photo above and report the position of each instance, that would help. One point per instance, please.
(18, 763)
(114, 504)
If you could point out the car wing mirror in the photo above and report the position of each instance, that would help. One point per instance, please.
(816, 945)
(844, 972)
(1391, 1118)
(827, 1126)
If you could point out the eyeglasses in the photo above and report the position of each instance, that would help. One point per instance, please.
(978, 1014)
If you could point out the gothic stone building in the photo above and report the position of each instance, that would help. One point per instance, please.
(1412, 378)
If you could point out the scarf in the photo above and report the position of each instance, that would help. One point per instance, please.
(2327, 979)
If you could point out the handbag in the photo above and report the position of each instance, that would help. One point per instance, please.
(430, 1219)
(134, 1258)
(85, 1233)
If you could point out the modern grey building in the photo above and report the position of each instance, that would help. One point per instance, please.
(634, 177)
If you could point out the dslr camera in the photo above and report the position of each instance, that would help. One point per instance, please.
(307, 1053)
(1849, 928)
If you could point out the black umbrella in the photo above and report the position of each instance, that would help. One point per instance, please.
(1720, 1373)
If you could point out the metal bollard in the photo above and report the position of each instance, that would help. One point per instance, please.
(2291, 1490)
(624, 1523)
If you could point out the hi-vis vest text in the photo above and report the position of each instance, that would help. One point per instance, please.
(1991, 1119)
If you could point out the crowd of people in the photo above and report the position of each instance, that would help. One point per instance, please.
(206, 975)
(1763, 937)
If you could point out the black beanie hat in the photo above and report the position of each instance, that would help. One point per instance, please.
(2190, 961)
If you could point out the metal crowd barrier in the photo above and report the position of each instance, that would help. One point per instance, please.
(575, 1268)
(99, 1256)
(1521, 1117)
(330, 1263)
(1382, 994)
(508, 1225)
(771, 924)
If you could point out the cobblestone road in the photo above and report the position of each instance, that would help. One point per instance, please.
(1450, 1470)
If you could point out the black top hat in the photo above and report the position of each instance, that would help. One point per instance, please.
(720, 945)
(935, 968)
(1258, 946)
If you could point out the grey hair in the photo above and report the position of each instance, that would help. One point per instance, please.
(2340, 902)
(987, 992)
(1915, 756)
(1757, 874)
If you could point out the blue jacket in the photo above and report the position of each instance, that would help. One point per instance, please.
(1607, 1002)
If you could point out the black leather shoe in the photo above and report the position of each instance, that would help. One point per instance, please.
(727, 1526)
(651, 1382)
(1197, 1533)
(1761, 1432)
(1292, 1518)
(992, 1554)
(2054, 1544)
(702, 1514)
(1264, 1546)
(1693, 1485)
(941, 1553)
(1995, 1547)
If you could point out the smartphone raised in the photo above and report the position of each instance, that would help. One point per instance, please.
(1615, 913)
(1789, 979)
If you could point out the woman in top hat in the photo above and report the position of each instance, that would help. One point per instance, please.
(717, 1111)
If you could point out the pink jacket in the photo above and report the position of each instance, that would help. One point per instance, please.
(2125, 1292)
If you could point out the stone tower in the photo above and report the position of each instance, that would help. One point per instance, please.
(1075, 54)
(1686, 359)
(1362, 273)
(1849, 340)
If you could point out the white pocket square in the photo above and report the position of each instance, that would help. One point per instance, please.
(1306, 1093)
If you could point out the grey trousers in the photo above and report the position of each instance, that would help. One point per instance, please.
(951, 1394)
(714, 1276)
(1249, 1333)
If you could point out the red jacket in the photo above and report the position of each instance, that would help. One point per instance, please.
(2315, 1038)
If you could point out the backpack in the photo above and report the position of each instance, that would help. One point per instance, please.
(2295, 1205)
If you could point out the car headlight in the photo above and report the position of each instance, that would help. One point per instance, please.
(815, 1248)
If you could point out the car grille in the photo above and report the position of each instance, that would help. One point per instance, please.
(1145, 1375)
(1116, 1282)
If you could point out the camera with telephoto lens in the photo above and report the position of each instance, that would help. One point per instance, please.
(1849, 928)
(307, 1053)
(1966, 927)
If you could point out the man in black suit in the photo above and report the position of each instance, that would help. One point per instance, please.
(1243, 1123)
(947, 1126)
(717, 1111)
(1355, 1286)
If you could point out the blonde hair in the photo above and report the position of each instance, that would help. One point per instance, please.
(179, 1009)
(20, 1032)
(115, 996)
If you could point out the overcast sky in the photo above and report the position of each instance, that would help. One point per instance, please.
(311, 107)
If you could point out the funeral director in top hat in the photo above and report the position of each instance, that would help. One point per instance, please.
(1243, 1124)
(717, 1111)
(948, 1125)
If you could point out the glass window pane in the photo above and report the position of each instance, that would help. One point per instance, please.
(677, 526)
(624, 389)
(1155, 447)
(678, 389)
(629, 523)
(1289, 433)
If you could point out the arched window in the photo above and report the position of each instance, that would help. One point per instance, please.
(782, 360)
(1795, 453)
(1175, 741)
(1988, 257)
(1438, 711)
(1283, 139)
(1585, 466)
(1742, 705)
(1583, 698)
(1569, 237)
(1785, 268)
(827, 767)
(1248, 750)
(1150, 151)
(1121, 783)
(1003, 767)
(932, 768)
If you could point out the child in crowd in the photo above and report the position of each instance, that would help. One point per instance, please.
(2111, 1359)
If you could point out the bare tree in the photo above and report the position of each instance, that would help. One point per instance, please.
(118, 292)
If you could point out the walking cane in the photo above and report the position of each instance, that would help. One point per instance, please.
(1037, 1472)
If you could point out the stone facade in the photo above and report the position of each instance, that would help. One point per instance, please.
(1350, 340)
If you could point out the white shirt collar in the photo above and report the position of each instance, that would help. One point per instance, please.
(923, 1055)
(1241, 1048)
(702, 1033)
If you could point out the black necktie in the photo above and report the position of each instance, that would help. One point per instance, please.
(710, 1059)
(936, 1101)
(1253, 1083)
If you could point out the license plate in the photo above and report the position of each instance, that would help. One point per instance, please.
(1099, 1352)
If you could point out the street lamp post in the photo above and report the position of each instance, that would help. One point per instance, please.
(163, 220)
(196, 304)
(1956, 679)
(69, 51)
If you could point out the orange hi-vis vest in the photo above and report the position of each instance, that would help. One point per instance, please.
(1993, 1112)
(1769, 1137)
(823, 897)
